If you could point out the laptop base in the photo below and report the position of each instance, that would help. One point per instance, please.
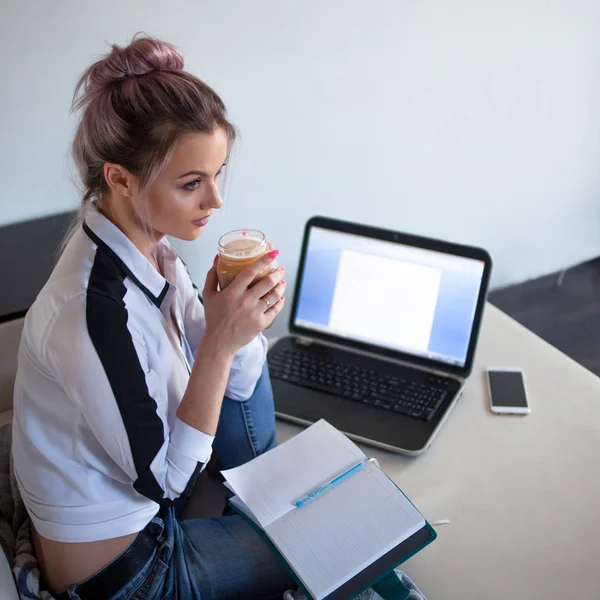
(363, 423)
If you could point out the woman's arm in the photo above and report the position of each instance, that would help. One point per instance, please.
(234, 317)
(248, 361)
(99, 358)
(201, 404)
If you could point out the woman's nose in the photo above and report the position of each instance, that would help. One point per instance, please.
(213, 198)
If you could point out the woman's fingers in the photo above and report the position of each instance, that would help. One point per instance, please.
(273, 296)
(273, 311)
(251, 272)
(210, 286)
(267, 283)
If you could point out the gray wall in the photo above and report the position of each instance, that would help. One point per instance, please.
(476, 121)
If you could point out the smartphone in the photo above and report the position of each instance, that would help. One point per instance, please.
(506, 389)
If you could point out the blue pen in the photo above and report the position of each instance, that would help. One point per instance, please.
(330, 484)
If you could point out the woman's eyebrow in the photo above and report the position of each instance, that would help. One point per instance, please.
(201, 173)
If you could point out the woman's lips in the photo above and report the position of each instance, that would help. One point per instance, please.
(200, 222)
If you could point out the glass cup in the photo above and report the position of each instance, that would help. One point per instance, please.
(239, 249)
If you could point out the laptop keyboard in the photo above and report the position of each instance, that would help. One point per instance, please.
(356, 384)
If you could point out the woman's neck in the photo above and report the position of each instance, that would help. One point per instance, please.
(121, 215)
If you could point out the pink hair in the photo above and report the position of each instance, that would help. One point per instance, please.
(137, 102)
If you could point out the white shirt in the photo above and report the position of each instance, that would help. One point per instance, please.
(97, 444)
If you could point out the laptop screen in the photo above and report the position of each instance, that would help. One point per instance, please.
(413, 300)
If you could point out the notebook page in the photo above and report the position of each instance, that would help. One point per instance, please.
(272, 483)
(332, 538)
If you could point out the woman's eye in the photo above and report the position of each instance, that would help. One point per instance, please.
(192, 185)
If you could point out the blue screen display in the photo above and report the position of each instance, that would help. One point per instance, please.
(398, 297)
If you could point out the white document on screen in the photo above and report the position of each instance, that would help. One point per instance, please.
(385, 301)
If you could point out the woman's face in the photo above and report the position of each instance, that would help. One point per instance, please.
(183, 196)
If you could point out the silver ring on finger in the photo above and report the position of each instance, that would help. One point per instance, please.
(266, 301)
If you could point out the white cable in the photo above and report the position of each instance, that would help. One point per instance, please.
(441, 522)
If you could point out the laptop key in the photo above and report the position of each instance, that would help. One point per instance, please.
(387, 396)
(320, 387)
(383, 404)
(435, 406)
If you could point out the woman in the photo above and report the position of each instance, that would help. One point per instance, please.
(126, 379)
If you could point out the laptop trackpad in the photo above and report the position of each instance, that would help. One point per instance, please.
(306, 404)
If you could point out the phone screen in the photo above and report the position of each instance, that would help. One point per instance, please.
(507, 389)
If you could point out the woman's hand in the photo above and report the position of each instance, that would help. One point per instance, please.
(237, 314)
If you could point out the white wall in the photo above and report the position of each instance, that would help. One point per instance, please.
(471, 120)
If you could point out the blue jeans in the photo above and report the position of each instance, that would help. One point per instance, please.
(221, 558)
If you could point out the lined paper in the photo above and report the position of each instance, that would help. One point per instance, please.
(330, 540)
(272, 483)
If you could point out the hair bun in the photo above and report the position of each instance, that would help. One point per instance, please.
(143, 56)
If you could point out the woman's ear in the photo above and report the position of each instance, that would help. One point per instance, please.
(120, 181)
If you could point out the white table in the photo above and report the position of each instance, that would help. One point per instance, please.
(523, 493)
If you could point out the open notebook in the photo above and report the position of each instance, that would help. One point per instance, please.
(334, 536)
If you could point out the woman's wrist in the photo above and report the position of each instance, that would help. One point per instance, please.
(213, 349)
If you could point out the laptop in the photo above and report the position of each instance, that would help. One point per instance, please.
(383, 331)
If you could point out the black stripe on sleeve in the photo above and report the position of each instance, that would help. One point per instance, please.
(106, 316)
(181, 502)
